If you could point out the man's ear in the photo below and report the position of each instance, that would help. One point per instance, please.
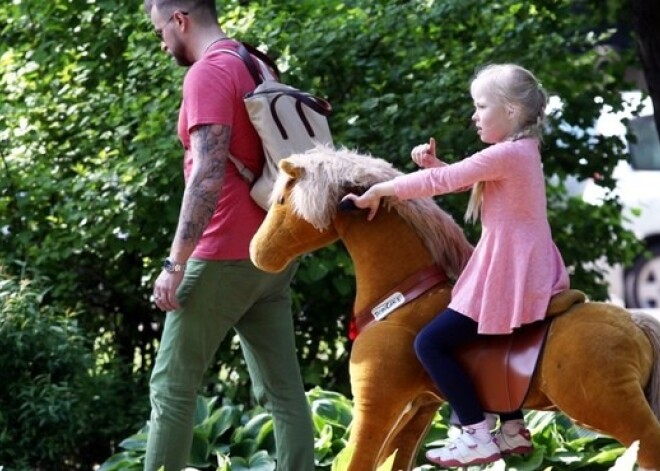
(181, 20)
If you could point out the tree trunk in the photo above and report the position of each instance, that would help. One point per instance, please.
(646, 21)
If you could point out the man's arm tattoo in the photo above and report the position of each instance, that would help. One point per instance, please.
(210, 146)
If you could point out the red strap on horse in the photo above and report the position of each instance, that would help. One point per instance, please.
(408, 290)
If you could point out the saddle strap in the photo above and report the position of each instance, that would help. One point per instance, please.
(408, 290)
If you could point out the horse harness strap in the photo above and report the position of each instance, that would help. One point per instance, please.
(408, 290)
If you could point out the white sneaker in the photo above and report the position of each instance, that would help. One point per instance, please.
(490, 418)
(465, 450)
(520, 443)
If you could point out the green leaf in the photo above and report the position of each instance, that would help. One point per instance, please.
(201, 410)
(223, 419)
(333, 412)
(254, 427)
(343, 459)
(200, 451)
(388, 464)
(244, 448)
(137, 442)
(123, 461)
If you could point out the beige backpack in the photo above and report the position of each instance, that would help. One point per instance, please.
(288, 121)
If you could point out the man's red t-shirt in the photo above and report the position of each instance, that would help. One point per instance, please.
(213, 91)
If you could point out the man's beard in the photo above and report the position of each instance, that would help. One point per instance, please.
(178, 51)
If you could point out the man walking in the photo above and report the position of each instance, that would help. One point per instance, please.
(208, 284)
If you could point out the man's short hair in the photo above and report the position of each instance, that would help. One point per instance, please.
(202, 10)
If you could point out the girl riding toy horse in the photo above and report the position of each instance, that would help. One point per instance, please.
(599, 364)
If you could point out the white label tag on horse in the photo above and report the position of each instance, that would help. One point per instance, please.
(388, 306)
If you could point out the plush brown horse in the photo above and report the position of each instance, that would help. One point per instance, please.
(600, 365)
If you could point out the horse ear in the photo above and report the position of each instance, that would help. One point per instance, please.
(289, 168)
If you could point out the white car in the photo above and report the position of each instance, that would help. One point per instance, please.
(638, 187)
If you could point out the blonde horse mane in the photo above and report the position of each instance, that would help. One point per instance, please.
(327, 174)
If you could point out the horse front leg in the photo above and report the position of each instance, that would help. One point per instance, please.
(385, 380)
(409, 434)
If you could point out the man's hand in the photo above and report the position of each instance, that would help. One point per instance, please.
(165, 290)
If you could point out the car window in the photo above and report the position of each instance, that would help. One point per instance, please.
(645, 153)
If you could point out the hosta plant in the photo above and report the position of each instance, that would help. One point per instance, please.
(229, 437)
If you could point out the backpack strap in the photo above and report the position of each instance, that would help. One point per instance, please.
(258, 72)
(245, 56)
(248, 50)
(243, 171)
(265, 69)
(318, 104)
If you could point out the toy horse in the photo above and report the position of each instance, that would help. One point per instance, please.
(599, 366)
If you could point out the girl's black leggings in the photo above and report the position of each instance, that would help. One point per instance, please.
(435, 345)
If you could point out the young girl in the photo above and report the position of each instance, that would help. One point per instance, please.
(515, 267)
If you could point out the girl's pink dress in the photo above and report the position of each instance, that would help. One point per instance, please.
(515, 267)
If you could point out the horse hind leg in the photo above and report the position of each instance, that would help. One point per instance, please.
(595, 368)
(615, 405)
(651, 327)
(638, 422)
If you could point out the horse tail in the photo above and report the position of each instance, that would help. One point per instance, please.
(651, 327)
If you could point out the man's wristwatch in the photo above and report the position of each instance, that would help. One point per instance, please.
(170, 266)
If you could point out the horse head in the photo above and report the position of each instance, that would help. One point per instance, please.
(306, 213)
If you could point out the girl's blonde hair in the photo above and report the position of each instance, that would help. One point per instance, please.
(511, 84)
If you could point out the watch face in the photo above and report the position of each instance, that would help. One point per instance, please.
(171, 267)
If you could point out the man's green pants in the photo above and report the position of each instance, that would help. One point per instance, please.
(217, 296)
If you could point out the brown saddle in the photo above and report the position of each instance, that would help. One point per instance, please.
(502, 366)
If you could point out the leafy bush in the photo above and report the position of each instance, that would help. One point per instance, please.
(229, 438)
(58, 408)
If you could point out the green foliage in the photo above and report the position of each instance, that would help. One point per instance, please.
(234, 438)
(58, 407)
(82, 198)
(332, 416)
(230, 438)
